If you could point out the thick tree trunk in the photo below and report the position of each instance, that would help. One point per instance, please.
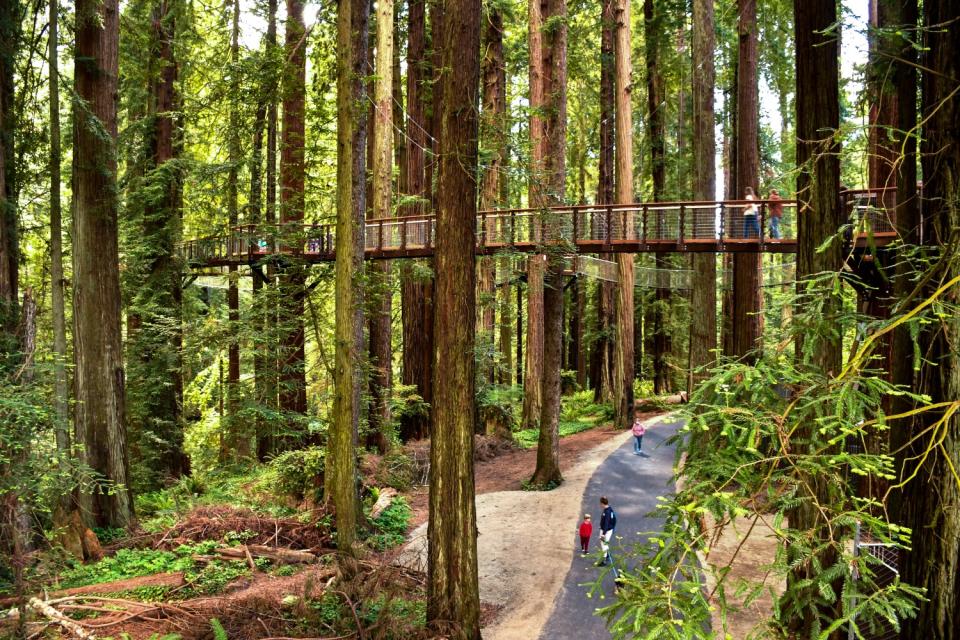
(533, 360)
(416, 288)
(293, 387)
(883, 152)
(703, 298)
(818, 185)
(381, 352)
(747, 325)
(657, 133)
(359, 189)
(536, 195)
(100, 416)
(266, 437)
(931, 501)
(453, 594)
(601, 362)
(623, 370)
(340, 478)
(493, 134)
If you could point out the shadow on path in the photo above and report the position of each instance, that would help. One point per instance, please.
(632, 484)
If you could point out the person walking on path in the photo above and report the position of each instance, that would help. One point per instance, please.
(608, 523)
(638, 430)
(776, 213)
(586, 530)
(750, 222)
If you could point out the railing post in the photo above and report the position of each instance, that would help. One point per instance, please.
(763, 221)
(723, 222)
(645, 224)
(683, 218)
(608, 237)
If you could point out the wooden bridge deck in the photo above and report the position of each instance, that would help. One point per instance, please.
(671, 227)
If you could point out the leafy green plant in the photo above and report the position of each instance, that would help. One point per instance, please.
(127, 563)
(300, 473)
(391, 525)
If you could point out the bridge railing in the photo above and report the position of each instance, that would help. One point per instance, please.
(592, 228)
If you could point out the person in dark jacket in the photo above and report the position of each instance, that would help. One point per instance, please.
(608, 522)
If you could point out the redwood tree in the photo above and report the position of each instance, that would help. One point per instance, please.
(453, 595)
(100, 416)
(703, 300)
(746, 320)
(293, 382)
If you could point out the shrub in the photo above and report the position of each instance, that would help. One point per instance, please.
(300, 473)
(392, 524)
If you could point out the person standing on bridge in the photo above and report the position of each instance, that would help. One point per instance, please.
(776, 213)
(750, 221)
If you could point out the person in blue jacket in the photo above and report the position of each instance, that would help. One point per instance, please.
(608, 523)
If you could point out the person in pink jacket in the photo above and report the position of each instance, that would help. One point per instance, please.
(638, 430)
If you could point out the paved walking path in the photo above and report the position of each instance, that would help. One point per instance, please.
(632, 483)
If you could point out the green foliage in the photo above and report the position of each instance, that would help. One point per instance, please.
(219, 633)
(391, 525)
(578, 412)
(127, 563)
(766, 443)
(396, 470)
(299, 473)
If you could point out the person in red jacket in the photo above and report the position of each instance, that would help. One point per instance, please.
(586, 529)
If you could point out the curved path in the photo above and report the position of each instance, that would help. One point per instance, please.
(632, 484)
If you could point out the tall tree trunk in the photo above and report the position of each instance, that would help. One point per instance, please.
(340, 478)
(883, 153)
(533, 360)
(100, 416)
(493, 134)
(266, 438)
(10, 16)
(416, 289)
(293, 391)
(554, 77)
(703, 298)
(747, 322)
(381, 352)
(657, 131)
(261, 362)
(623, 345)
(453, 594)
(537, 193)
(818, 186)
(931, 501)
(601, 364)
(58, 283)
(237, 445)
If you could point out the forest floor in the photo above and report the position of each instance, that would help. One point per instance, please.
(526, 539)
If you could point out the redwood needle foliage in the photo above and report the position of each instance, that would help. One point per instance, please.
(743, 462)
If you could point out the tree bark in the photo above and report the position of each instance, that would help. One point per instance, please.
(623, 347)
(703, 297)
(601, 363)
(747, 322)
(883, 152)
(266, 437)
(819, 217)
(533, 360)
(931, 501)
(293, 382)
(417, 288)
(657, 132)
(340, 477)
(10, 17)
(381, 352)
(235, 446)
(100, 418)
(58, 283)
(453, 595)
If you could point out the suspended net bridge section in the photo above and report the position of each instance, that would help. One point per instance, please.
(665, 227)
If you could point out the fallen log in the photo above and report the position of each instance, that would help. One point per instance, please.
(171, 580)
(52, 614)
(384, 500)
(276, 554)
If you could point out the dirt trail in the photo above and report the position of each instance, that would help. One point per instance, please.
(525, 546)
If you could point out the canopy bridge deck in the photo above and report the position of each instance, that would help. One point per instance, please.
(663, 227)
